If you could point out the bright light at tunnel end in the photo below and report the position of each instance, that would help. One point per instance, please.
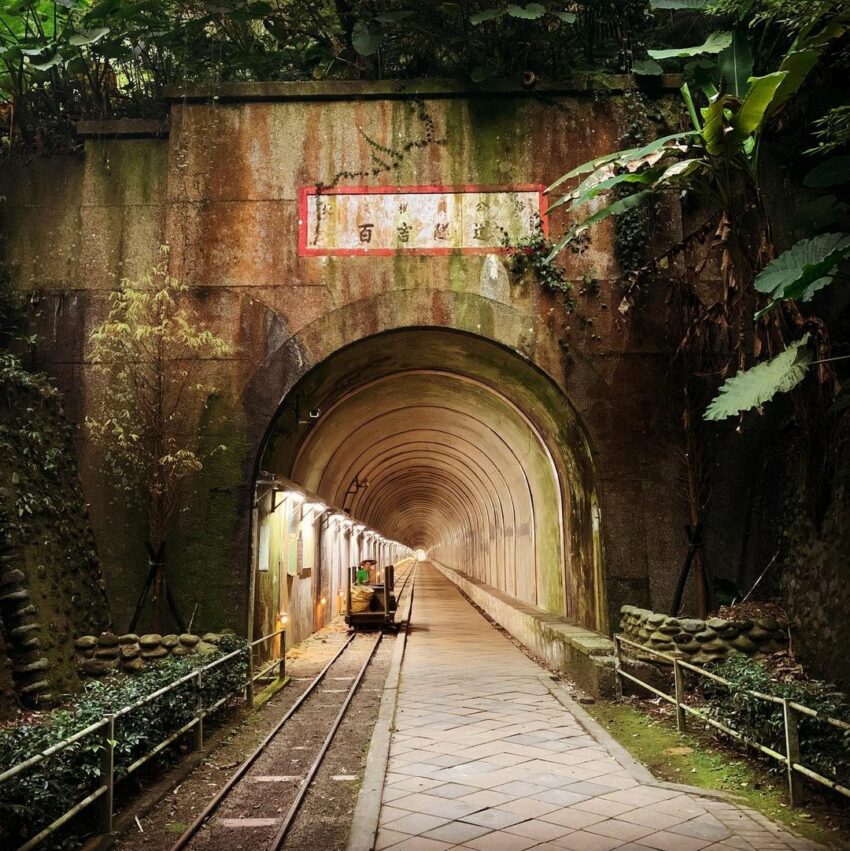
(421, 555)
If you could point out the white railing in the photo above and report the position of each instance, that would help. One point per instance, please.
(794, 768)
(105, 730)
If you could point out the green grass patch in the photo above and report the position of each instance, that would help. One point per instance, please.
(699, 760)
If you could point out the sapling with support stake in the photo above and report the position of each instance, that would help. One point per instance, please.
(148, 407)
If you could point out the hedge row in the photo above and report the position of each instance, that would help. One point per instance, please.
(823, 747)
(39, 795)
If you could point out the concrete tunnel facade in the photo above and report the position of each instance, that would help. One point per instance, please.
(500, 431)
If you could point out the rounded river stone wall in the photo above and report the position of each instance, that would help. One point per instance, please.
(107, 653)
(700, 641)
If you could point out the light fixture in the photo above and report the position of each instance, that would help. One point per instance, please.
(323, 601)
(357, 485)
(283, 618)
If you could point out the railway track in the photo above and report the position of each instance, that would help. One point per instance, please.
(242, 813)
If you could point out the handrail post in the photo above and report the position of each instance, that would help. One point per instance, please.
(618, 664)
(107, 774)
(281, 673)
(249, 688)
(199, 713)
(679, 686)
(792, 753)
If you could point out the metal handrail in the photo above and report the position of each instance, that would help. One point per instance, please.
(106, 726)
(790, 709)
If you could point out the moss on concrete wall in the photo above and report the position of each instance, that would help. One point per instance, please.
(223, 192)
(816, 579)
(50, 583)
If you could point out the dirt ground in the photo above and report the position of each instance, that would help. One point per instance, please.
(325, 816)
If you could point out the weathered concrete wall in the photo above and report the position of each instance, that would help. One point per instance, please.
(817, 577)
(222, 191)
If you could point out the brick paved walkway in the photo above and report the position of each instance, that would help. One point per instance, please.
(485, 757)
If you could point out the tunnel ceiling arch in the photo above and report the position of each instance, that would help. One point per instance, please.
(470, 452)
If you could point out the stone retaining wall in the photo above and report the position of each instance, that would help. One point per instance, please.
(98, 655)
(700, 641)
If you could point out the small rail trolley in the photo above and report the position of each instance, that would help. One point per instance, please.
(370, 597)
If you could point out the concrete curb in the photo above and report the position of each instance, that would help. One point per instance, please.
(364, 821)
(586, 657)
(637, 769)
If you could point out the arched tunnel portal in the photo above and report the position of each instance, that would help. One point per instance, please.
(449, 442)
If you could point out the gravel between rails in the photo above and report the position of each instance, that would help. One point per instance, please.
(325, 817)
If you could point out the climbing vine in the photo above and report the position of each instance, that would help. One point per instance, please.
(383, 159)
(528, 262)
(633, 228)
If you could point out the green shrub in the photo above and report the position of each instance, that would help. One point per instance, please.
(39, 795)
(823, 747)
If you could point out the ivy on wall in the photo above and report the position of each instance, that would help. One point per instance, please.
(50, 582)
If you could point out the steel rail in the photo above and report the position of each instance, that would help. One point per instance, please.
(240, 772)
(289, 818)
(209, 811)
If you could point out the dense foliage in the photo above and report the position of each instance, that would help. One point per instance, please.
(39, 795)
(759, 77)
(61, 60)
(823, 747)
(44, 527)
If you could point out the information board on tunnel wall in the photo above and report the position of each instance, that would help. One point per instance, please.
(419, 219)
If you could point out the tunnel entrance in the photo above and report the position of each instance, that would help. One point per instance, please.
(457, 447)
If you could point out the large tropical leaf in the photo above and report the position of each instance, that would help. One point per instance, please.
(675, 5)
(591, 165)
(715, 123)
(633, 166)
(647, 68)
(86, 37)
(757, 104)
(644, 177)
(620, 206)
(485, 15)
(805, 268)
(736, 64)
(754, 387)
(830, 172)
(730, 122)
(797, 65)
(529, 13)
(715, 43)
(366, 38)
(630, 158)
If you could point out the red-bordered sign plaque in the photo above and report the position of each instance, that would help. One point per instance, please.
(384, 220)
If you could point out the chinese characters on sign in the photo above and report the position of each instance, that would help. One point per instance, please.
(418, 220)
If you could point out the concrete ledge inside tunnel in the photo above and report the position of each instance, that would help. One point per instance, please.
(584, 656)
(451, 443)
